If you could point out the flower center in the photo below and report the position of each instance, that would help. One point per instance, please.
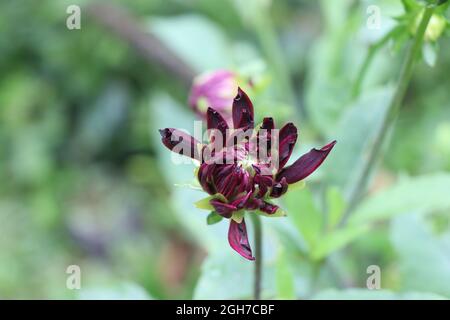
(247, 163)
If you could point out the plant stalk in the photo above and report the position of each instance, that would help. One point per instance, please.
(258, 256)
(391, 114)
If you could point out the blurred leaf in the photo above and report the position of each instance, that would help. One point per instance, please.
(355, 135)
(305, 215)
(424, 259)
(124, 291)
(366, 294)
(336, 206)
(336, 240)
(426, 193)
(103, 119)
(195, 39)
(213, 218)
(229, 276)
(163, 108)
(331, 65)
(284, 278)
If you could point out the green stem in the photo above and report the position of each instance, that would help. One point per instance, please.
(258, 256)
(391, 114)
(316, 268)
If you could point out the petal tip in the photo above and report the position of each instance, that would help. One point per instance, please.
(163, 132)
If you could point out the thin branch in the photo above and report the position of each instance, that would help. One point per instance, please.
(258, 256)
(119, 22)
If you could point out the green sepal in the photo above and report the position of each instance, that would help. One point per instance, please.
(238, 216)
(205, 202)
(213, 218)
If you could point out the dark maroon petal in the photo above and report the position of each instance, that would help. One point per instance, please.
(242, 111)
(268, 124)
(259, 204)
(264, 183)
(204, 177)
(242, 201)
(268, 208)
(287, 139)
(224, 209)
(180, 142)
(279, 188)
(215, 121)
(305, 165)
(264, 138)
(238, 239)
(228, 186)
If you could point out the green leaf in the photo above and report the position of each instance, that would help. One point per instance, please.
(182, 34)
(213, 218)
(336, 240)
(305, 215)
(284, 278)
(423, 257)
(411, 5)
(426, 193)
(366, 294)
(364, 119)
(204, 203)
(226, 275)
(336, 206)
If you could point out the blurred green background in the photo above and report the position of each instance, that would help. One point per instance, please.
(87, 182)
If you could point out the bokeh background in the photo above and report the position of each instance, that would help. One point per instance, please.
(86, 181)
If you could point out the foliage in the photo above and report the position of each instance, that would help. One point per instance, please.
(87, 182)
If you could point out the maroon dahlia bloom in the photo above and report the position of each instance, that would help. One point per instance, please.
(246, 167)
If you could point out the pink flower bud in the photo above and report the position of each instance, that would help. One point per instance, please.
(214, 89)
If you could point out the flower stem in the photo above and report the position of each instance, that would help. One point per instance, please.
(258, 256)
(391, 113)
(315, 274)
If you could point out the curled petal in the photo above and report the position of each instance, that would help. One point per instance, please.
(215, 121)
(242, 111)
(242, 201)
(204, 177)
(268, 208)
(287, 140)
(305, 165)
(264, 183)
(264, 138)
(224, 209)
(268, 124)
(180, 142)
(279, 188)
(259, 204)
(238, 239)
